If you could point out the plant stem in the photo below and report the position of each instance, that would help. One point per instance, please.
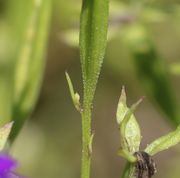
(128, 171)
(86, 136)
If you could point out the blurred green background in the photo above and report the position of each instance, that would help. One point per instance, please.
(49, 144)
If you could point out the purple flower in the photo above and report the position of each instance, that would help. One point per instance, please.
(7, 166)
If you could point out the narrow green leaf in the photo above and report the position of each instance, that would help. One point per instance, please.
(31, 62)
(164, 142)
(4, 133)
(75, 96)
(129, 128)
(93, 37)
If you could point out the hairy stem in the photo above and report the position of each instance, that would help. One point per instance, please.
(86, 136)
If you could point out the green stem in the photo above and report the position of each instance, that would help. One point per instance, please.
(128, 171)
(86, 137)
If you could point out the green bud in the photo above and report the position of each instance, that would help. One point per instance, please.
(129, 128)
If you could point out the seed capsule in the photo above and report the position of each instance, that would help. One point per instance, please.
(145, 166)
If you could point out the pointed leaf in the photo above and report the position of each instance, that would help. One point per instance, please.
(75, 96)
(4, 133)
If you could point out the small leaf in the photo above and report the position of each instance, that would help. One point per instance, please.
(129, 128)
(75, 96)
(164, 142)
(4, 133)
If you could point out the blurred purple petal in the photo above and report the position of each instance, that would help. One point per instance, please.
(7, 166)
(6, 163)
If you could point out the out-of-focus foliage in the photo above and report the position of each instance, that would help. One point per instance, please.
(30, 62)
(6, 73)
(152, 71)
(175, 68)
(53, 138)
(23, 58)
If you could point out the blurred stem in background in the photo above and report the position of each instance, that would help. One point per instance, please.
(30, 62)
(93, 34)
(152, 71)
(7, 63)
(23, 39)
(6, 73)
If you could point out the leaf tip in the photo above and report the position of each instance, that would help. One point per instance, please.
(75, 96)
(123, 96)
